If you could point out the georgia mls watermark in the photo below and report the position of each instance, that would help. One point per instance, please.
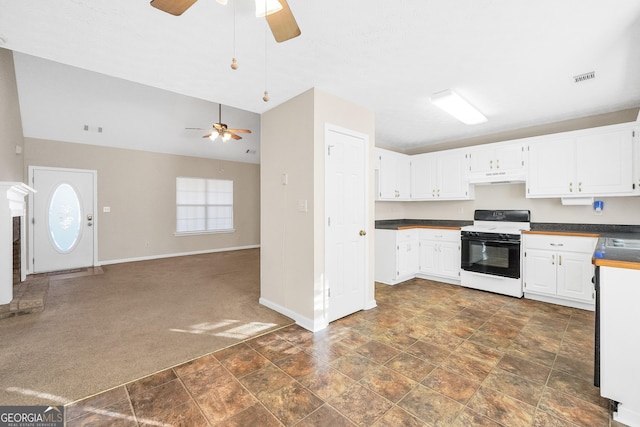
(31, 416)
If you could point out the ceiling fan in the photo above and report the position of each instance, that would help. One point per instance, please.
(222, 130)
(277, 12)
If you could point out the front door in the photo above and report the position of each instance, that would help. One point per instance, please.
(345, 235)
(63, 218)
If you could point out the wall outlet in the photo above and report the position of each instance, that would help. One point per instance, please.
(106, 209)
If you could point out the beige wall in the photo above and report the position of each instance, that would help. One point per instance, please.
(339, 112)
(292, 242)
(10, 121)
(139, 187)
(286, 242)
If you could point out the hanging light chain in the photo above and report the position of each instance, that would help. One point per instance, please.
(234, 62)
(265, 97)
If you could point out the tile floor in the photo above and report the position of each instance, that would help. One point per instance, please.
(430, 354)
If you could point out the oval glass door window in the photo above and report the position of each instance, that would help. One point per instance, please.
(65, 218)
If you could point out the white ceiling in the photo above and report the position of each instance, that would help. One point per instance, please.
(513, 59)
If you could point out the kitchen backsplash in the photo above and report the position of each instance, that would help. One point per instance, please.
(617, 210)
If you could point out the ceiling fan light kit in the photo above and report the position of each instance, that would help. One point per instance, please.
(267, 7)
(458, 107)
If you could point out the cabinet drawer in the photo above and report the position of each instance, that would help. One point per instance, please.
(560, 243)
(439, 234)
(408, 234)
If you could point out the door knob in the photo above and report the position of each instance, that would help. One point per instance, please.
(363, 233)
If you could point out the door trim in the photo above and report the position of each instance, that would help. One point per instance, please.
(328, 127)
(31, 214)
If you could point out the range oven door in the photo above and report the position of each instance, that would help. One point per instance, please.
(491, 253)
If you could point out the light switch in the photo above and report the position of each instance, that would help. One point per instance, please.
(106, 209)
(302, 205)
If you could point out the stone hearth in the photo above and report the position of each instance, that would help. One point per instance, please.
(28, 297)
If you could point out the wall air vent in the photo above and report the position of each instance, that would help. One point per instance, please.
(583, 77)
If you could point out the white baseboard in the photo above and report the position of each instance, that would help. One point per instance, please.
(147, 258)
(561, 301)
(303, 321)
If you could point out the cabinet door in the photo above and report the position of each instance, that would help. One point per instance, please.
(403, 176)
(394, 175)
(540, 272)
(551, 168)
(575, 272)
(509, 157)
(636, 160)
(452, 176)
(386, 175)
(604, 163)
(423, 177)
(450, 259)
(428, 257)
(408, 258)
(481, 161)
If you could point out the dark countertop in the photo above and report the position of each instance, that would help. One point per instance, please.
(603, 256)
(602, 229)
(397, 224)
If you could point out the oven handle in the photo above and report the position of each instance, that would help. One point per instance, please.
(501, 242)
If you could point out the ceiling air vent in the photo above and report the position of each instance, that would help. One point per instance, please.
(586, 76)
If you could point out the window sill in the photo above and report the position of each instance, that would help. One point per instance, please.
(197, 233)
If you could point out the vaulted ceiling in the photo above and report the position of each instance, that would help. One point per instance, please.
(513, 60)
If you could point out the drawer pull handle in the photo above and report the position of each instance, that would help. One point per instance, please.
(557, 244)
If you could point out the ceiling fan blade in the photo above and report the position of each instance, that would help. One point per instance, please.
(234, 136)
(239, 130)
(282, 23)
(207, 136)
(197, 128)
(174, 7)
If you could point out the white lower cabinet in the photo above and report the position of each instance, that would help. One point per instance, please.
(440, 254)
(429, 253)
(397, 255)
(558, 269)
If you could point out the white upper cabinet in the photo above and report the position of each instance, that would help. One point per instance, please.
(393, 175)
(582, 164)
(440, 176)
(498, 162)
(596, 162)
(551, 168)
(605, 162)
(424, 176)
(636, 160)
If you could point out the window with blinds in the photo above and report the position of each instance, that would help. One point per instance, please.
(203, 205)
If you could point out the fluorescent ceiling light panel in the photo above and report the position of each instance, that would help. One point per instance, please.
(455, 105)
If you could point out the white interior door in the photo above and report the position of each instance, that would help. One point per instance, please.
(345, 234)
(63, 219)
